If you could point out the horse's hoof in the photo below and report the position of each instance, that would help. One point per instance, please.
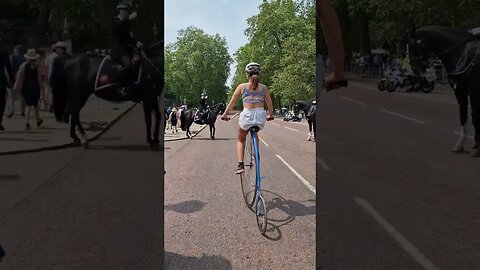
(458, 149)
(474, 153)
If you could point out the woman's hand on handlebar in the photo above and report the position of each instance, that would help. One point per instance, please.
(225, 117)
(334, 81)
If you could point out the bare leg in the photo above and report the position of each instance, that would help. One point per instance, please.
(147, 113)
(242, 135)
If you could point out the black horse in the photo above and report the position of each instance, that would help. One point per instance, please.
(187, 119)
(459, 52)
(308, 109)
(81, 77)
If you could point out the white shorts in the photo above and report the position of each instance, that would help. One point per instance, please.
(252, 117)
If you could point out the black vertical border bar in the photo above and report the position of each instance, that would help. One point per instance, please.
(161, 34)
(319, 72)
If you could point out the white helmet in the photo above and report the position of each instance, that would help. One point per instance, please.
(252, 68)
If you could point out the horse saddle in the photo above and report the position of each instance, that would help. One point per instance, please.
(201, 115)
(469, 57)
(108, 75)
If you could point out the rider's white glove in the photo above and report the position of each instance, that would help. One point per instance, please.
(133, 15)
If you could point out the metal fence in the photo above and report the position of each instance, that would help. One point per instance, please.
(376, 71)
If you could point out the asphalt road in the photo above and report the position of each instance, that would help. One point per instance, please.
(208, 225)
(395, 197)
(100, 208)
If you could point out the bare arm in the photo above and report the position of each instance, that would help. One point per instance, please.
(268, 99)
(234, 99)
(333, 34)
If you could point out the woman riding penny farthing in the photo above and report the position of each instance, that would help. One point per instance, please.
(251, 120)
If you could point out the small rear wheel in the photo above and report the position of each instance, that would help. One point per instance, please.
(261, 215)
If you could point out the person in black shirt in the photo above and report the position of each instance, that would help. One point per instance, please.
(6, 79)
(57, 81)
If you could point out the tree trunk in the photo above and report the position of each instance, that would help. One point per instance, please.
(365, 48)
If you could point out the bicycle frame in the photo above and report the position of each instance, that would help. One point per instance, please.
(258, 178)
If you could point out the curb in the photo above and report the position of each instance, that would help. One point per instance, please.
(66, 145)
(185, 138)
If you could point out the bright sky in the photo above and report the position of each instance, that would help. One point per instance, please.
(224, 17)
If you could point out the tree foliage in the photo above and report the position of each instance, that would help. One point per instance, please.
(282, 40)
(90, 20)
(197, 62)
(388, 20)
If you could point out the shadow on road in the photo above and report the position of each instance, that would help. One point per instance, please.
(110, 139)
(209, 139)
(174, 261)
(9, 177)
(186, 207)
(23, 140)
(289, 210)
(29, 132)
(124, 147)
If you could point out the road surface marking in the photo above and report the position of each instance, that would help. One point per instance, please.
(291, 129)
(401, 240)
(323, 164)
(263, 141)
(468, 136)
(275, 124)
(305, 182)
(403, 116)
(354, 101)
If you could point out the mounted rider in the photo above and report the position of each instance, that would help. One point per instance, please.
(202, 113)
(123, 45)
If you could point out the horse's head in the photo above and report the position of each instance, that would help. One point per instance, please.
(300, 106)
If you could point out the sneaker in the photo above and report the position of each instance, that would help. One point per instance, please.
(240, 168)
(39, 122)
(27, 127)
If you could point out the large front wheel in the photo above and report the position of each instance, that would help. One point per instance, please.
(248, 178)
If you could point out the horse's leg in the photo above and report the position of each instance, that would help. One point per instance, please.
(461, 95)
(475, 104)
(314, 128)
(309, 130)
(147, 112)
(158, 119)
(73, 131)
(78, 123)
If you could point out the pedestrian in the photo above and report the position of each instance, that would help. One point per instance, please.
(57, 81)
(49, 63)
(173, 119)
(16, 59)
(165, 114)
(6, 79)
(29, 83)
(328, 19)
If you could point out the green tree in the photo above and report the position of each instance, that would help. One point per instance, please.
(282, 41)
(197, 62)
